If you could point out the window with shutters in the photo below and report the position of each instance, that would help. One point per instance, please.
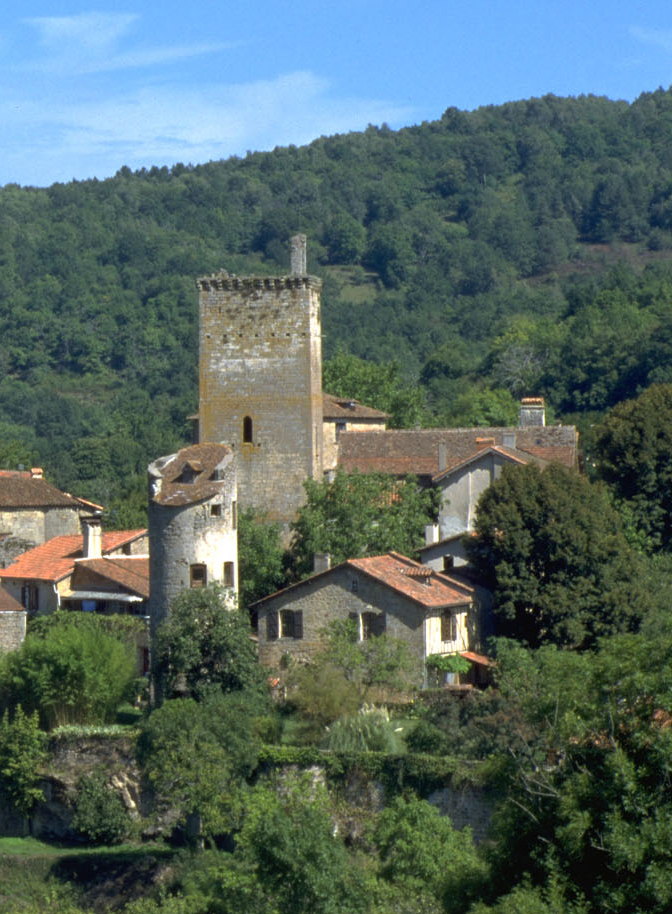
(291, 624)
(369, 624)
(272, 626)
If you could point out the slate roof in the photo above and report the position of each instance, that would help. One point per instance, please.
(348, 408)
(426, 588)
(129, 572)
(21, 490)
(54, 560)
(173, 488)
(403, 451)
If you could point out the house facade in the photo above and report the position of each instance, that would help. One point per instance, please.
(33, 511)
(387, 594)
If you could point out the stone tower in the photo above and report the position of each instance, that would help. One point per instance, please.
(193, 539)
(260, 387)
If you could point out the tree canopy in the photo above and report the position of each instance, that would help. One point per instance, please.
(552, 549)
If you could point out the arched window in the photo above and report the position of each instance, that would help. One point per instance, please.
(247, 430)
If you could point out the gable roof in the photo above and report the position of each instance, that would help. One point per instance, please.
(54, 560)
(348, 408)
(129, 572)
(22, 490)
(403, 451)
(171, 487)
(511, 454)
(425, 587)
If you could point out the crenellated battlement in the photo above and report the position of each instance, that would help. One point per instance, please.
(226, 282)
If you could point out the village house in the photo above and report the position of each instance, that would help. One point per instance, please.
(430, 612)
(33, 511)
(91, 571)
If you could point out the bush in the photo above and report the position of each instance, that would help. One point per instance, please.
(427, 737)
(100, 814)
(369, 730)
(70, 673)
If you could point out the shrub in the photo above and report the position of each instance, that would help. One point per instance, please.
(427, 737)
(70, 674)
(100, 814)
(369, 730)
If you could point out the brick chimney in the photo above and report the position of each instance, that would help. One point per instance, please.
(532, 412)
(93, 537)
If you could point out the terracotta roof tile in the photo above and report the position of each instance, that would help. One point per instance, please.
(130, 572)
(403, 451)
(433, 591)
(55, 559)
(172, 487)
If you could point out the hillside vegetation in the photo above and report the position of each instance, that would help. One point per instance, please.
(525, 248)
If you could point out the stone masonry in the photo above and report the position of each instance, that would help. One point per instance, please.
(260, 387)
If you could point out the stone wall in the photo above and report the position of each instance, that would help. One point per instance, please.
(12, 630)
(261, 358)
(323, 600)
(187, 535)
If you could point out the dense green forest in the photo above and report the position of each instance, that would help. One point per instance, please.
(525, 248)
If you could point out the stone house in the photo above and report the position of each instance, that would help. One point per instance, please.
(193, 521)
(341, 414)
(431, 612)
(33, 511)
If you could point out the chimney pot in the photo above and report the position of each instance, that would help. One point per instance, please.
(298, 257)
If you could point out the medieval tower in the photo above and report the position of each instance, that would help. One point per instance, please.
(193, 539)
(260, 386)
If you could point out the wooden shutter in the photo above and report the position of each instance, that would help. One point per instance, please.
(378, 625)
(298, 623)
(272, 626)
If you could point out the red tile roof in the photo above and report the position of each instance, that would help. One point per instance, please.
(201, 461)
(425, 587)
(432, 591)
(55, 559)
(130, 572)
(404, 451)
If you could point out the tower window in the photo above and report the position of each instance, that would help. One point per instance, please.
(216, 510)
(198, 575)
(234, 515)
(228, 574)
(247, 430)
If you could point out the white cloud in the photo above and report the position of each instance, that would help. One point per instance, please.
(163, 124)
(661, 38)
(88, 43)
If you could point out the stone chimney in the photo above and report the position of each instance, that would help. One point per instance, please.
(431, 534)
(298, 259)
(532, 412)
(93, 537)
(321, 562)
(443, 456)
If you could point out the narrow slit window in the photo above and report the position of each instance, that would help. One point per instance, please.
(228, 574)
(247, 430)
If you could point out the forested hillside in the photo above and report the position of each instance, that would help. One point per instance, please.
(525, 248)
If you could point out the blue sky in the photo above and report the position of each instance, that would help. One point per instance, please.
(87, 89)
